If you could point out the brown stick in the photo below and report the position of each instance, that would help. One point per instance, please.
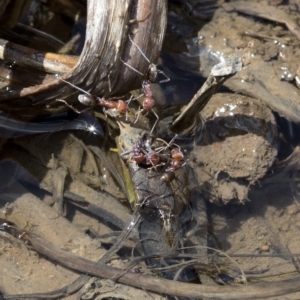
(219, 74)
(31, 58)
(159, 285)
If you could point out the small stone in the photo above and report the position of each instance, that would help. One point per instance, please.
(265, 248)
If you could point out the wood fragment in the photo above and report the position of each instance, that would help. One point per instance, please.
(99, 68)
(186, 121)
(31, 58)
(164, 286)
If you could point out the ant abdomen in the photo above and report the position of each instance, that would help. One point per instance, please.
(152, 159)
(168, 177)
(138, 158)
(177, 154)
(121, 106)
(148, 103)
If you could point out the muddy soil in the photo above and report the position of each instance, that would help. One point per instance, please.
(35, 210)
(238, 159)
(231, 161)
(241, 134)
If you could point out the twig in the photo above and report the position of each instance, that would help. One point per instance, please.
(219, 74)
(31, 58)
(159, 285)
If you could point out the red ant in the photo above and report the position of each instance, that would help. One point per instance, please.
(177, 159)
(176, 162)
(150, 77)
(143, 154)
(92, 101)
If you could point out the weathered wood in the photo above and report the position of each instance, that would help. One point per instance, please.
(108, 26)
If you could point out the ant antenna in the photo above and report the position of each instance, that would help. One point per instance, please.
(150, 64)
(130, 67)
(147, 59)
(73, 108)
(74, 86)
(166, 76)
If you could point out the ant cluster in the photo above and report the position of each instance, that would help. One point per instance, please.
(168, 156)
(165, 158)
(148, 152)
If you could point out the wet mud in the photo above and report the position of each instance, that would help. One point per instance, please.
(237, 190)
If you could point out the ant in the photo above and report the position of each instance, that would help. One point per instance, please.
(91, 101)
(176, 162)
(150, 77)
(145, 155)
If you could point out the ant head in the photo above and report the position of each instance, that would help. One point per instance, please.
(152, 73)
(87, 100)
(148, 103)
(167, 177)
(148, 139)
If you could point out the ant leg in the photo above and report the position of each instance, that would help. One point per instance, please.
(179, 183)
(145, 201)
(89, 100)
(106, 119)
(126, 152)
(172, 140)
(128, 102)
(138, 97)
(138, 115)
(162, 148)
(143, 54)
(168, 145)
(163, 73)
(74, 86)
(157, 119)
(155, 167)
(73, 108)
